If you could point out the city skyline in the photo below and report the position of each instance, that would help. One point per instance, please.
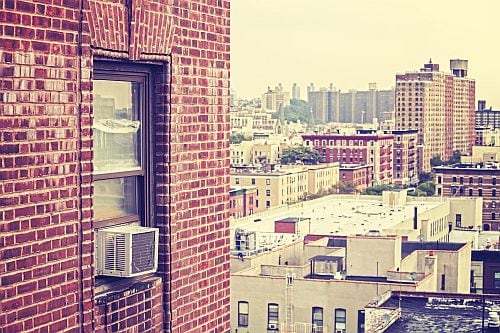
(376, 40)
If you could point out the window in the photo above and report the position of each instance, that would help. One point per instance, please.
(461, 180)
(443, 281)
(340, 319)
(496, 281)
(242, 314)
(493, 181)
(256, 203)
(440, 179)
(470, 180)
(268, 193)
(237, 181)
(361, 321)
(272, 316)
(317, 318)
(268, 204)
(122, 150)
(480, 192)
(439, 191)
(458, 220)
(253, 181)
(480, 180)
(493, 193)
(454, 179)
(268, 181)
(493, 216)
(470, 192)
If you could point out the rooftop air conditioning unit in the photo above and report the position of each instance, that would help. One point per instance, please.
(272, 326)
(126, 251)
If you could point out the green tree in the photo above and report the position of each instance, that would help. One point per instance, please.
(306, 155)
(236, 138)
(425, 177)
(378, 189)
(298, 110)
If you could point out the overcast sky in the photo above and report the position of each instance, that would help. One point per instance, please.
(353, 42)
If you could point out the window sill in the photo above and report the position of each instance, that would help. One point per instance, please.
(108, 288)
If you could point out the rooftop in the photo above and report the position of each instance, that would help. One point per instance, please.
(339, 215)
(435, 314)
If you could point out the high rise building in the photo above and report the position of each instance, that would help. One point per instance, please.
(276, 99)
(487, 117)
(440, 107)
(114, 167)
(332, 105)
(295, 91)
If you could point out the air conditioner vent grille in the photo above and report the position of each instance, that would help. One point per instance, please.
(143, 252)
(115, 252)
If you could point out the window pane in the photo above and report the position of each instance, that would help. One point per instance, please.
(117, 127)
(115, 198)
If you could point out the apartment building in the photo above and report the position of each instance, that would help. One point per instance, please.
(359, 176)
(487, 117)
(326, 284)
(374, 149)
(114, 119)
(242, 201)
(473, 180)
(433, 102)
(405, 161)
(275, 99)
(287, 185)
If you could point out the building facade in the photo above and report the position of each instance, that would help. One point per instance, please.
(473, 180)
(373, 149)
(70, 168)
(487, 117)
(405, 160)
(359, 177)
(276, 99)
(433, 102)
(242, 201)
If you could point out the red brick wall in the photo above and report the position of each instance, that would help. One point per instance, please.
(46, 237)
(285, 227)
(135, 310)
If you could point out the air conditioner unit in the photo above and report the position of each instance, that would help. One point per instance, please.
(272, 326)
(126, 251)
(340, 331)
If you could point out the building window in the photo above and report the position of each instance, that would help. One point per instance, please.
(493, 181)
(268, 204)
(496, 281)
(458, 220)
(340, 320)
(461, 180)
(237, 181)
(454, 179)
(480, 180)
(242, 314)
(493, 216)
(470, 192)
(122, 109)
(317, 319)
(268, 181)
(493, 193)
(440, 179)
(361, 321)
(480, 192)
(443, 281)
(256, 203)
(470, 181)
(439, 191)
(272, 316)
(253, 181)
(453, 190)
(268, 193)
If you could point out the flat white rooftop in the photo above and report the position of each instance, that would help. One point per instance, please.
(338, 214)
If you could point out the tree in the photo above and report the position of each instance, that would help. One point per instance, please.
(425, 177)
(436, 160)
(378, 189)
(236, 138)
(306, 155)
(428, 188)
(298, 110)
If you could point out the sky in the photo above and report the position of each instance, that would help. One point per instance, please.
(353, 42)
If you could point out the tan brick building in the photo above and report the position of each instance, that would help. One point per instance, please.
(440, 107)
(113, 113)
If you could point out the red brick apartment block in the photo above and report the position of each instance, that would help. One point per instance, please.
(55, 55)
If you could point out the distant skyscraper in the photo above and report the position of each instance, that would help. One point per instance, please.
(295, 91)
(440, 106)
(487, 117)
(275, 99)
(330, 105)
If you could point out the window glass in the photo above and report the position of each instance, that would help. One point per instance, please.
(243, 314)
(340, 319)
(272, 316)
(117, 126)
(115, 198)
